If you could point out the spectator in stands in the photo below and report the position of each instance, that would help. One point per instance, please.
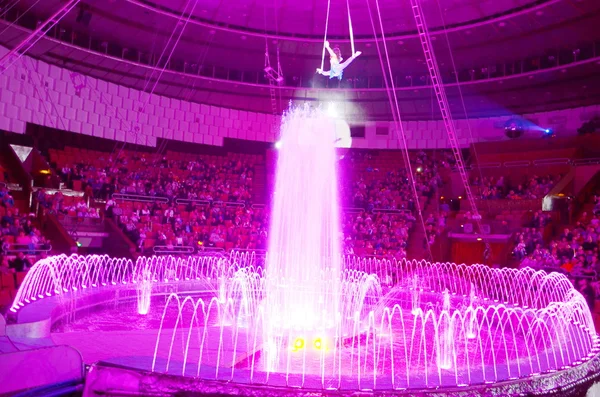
(588, 292)
(7, 199)
(20, 263)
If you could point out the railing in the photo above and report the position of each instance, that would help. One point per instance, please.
(392, 211)
(483, 165)
(511, 205)
(352, 210)
(193, 202)
(587, 52)
(553, 161)
(180, 201)
(592, 161)
(532, 163)
(28, 249)
(517, 163)
(65, 192)
(166, 250)
(139, 198)
(68, 220)
(466, 226)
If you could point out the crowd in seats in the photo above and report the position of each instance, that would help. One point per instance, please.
(381, 180)
(6, 199)
(531, 187)
(172, 175)
(377, 233)
(19, 239)
(191, 225)
(575, 251)
(377, 181)
(60, 204)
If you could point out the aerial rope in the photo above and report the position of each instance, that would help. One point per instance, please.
(350, 26)
(385, 62)
(335, 55)
(325, 38)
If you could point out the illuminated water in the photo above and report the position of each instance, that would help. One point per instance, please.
(305, 316)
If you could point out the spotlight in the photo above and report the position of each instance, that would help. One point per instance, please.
(479, 239)
(419, 169)
(298, 344)
(514, 128)
(318, 343)
(78, 244)
(278, 145)
(548, 133)
(460, 197)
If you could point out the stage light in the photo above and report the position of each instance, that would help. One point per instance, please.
(298, 344)
(460, 197)
(514, 128)
(278, 145)
(78, 244)
(479, 239)
(318, 344)
(419, 169)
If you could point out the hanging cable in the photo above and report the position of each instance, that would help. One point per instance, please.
(395, 108)
(7, 9)
(350, 26)
(462, 100)
(325, 38)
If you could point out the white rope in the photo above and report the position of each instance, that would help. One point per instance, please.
(325, 38)
(350, 26)
(388, 79)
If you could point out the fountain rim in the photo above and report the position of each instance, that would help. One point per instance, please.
(525, 384)
(131, 287)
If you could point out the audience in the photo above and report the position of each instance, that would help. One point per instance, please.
(574, 252)
(18, 233)
(533, 187)
(199, 178)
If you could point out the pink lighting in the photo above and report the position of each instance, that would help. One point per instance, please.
(424, 327)
(304, 270)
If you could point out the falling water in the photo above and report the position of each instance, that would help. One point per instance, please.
(530, 323)
(303, 272)
(445, 334)
(144, 292)
(471, 313)
(415, 296)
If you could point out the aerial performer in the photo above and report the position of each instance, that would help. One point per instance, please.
(337, 67)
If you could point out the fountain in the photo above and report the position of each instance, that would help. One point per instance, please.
(305, 316)
(302, 291)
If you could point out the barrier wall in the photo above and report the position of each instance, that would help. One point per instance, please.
(39, 367)
(33, 91)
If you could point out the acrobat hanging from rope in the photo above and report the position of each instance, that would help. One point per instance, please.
(337, 67)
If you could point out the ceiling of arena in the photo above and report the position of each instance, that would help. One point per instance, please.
(466, 34)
